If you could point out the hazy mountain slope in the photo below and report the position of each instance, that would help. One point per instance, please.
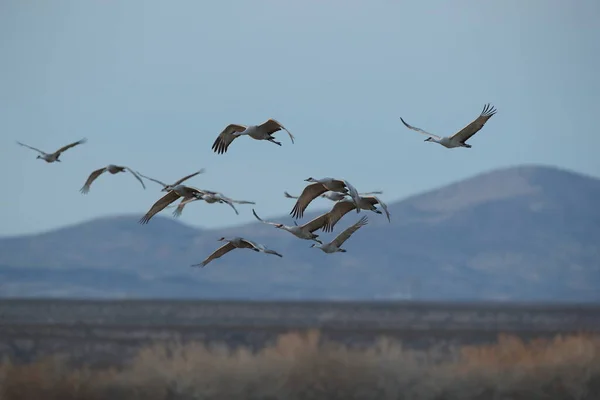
(519, 233)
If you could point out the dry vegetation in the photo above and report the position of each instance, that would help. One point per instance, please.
(302, 366)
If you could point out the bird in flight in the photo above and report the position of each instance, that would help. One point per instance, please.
(52, 157)
(317, 188)
(335, 245)
(236, 243)
(301, 231)
(333, 196)
(210, 197)
(263, 131)
(343, 207)
(111, 168)
(460, 138)
(178, 191)
(167, 187)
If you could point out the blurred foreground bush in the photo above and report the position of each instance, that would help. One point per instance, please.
(302, 366)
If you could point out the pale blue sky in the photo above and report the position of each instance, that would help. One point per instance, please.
(151, 84)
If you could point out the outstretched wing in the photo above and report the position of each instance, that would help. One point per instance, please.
(345, 235)
(226, 248)
(414, 128)
(316, 223)
(271, 126)
(185, 178)
(368, 193)
(340, 209)
(229, 203)
(289, 196)
(309, 193)
(269, 251)
(263, 221)
(86, 186)
(153, 180)
(249, 244)
(353, 194)
(376, 200)
(241, 201)
(258, 247)
(210, 192)
(82, 141)
(159, 206)
(136, 176)
(182, 204)
(225, 138)
(465, 133)
(32, 148)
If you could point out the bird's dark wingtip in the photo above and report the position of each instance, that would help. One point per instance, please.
(296, 212)
(488, 110)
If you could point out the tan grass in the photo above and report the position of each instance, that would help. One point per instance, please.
(303, 366)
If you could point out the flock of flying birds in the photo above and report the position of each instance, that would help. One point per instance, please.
(340, 191)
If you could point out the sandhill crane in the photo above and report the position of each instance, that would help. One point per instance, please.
(335, 245)
(167, 187)
(113, 169)
(342, 207)
(210, 197)
(303, 231)
(236, 243)
(52, 157)
(318, 187)
(263, 131)
(178, 191)
(458, 139)
(333, 196)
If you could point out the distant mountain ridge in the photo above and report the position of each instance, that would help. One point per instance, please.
(524, 233)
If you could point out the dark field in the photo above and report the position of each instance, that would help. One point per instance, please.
(230, 350)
